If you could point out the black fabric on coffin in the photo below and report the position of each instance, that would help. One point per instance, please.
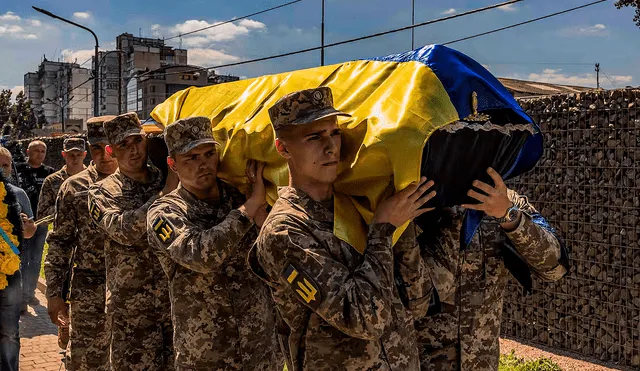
(455, 160)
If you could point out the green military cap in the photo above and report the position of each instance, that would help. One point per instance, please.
(121, 127)
(95, 130)
(303, 107)
(186, 134)
(73, 144)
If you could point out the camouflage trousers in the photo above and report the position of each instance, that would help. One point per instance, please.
(88, 348)
(142, 342)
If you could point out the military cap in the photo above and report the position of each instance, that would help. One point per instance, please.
(303, 107)
(71, 144)
(121, 127)
(95, 130)
(186, 134)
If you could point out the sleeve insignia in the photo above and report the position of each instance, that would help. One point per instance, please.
(94, 211)
(163, 229)
(303, 285)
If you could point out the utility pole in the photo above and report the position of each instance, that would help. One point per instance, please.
(597, 75)
(322, 37)
(413, 22)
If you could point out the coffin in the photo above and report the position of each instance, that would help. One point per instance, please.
(432, 111)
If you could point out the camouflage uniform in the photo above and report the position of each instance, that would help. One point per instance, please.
(75, 241)
(340, 310)
(137, 300)
(465, 334)
(52, 183)
(222, 314)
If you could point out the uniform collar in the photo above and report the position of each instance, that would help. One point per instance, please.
(318, 211)
(128, 183)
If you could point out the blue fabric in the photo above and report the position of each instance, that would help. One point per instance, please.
(23, 200)
(461, 76)
(31, 261)
(10, 324)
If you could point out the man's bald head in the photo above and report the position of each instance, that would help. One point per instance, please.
(36, 152)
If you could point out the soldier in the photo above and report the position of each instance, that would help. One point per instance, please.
(138, 307)
(342, 309)
(464, 335)
(222, 314)
(74, 153)
(76, 253)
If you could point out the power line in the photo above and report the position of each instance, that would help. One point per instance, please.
(525, 22)
(478, 10)
(538, 63)
(234, 20)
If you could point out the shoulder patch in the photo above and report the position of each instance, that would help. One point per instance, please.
(163, 229)
(303, 285)
(94, 211)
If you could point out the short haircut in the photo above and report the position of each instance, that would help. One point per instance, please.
(5, 152)
(37, 143)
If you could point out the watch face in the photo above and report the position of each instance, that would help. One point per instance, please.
(513, 214)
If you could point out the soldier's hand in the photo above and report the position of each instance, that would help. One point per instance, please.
(29, 226)
(57, 311)
(406, 204)
(257, 199)
(495, 200)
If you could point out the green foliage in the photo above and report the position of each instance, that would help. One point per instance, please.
(17, 118)
(632, 3)
(510, 362)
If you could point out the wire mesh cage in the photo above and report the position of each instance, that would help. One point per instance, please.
(588, 186)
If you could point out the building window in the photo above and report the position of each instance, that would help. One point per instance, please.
(153, 88)
(186, 77)
(153, 101)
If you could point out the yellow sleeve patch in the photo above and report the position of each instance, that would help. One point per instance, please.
(94, 211)
(163, 229)
(304, 286)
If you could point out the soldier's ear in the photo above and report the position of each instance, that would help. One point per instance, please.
(281, 147)
(172, 163)
(108, 149)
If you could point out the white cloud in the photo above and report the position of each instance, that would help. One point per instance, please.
(15, 90)
(222, 33)
(508, 8)
(9, 16)
(79, 56)
(35, 23)
(210, 57)
(595, 30)
(17, 32)
(556, 76)
(82, 15)
(449, 11)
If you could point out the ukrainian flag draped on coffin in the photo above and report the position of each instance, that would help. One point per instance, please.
(396, 102)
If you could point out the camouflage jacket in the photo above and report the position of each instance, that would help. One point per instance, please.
(73, 229)
(341, 309)
(222, 314)
(136, 284)
(49, 192)
(465, 334)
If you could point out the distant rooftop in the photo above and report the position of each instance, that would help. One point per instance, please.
(523, 88)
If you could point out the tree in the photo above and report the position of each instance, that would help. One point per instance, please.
(632, 3)
(22, 118)
(5, 107)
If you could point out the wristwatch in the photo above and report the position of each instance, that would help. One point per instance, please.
(510, 216)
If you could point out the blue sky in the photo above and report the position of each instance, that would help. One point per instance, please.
(562, 50)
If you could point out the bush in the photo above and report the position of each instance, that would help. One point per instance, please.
(510, 362)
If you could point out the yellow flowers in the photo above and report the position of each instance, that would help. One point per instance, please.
(9, 260)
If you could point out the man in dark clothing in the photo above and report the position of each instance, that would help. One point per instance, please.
(31, 175)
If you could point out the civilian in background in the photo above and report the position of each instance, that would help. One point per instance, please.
(10, 296)
(31, 175)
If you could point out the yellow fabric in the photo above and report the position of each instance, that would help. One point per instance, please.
(394, 106)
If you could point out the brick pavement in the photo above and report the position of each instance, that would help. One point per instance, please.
(39, 339)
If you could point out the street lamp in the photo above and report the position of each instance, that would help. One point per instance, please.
(96, 81)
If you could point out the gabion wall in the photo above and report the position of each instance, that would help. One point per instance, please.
(588, 186)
